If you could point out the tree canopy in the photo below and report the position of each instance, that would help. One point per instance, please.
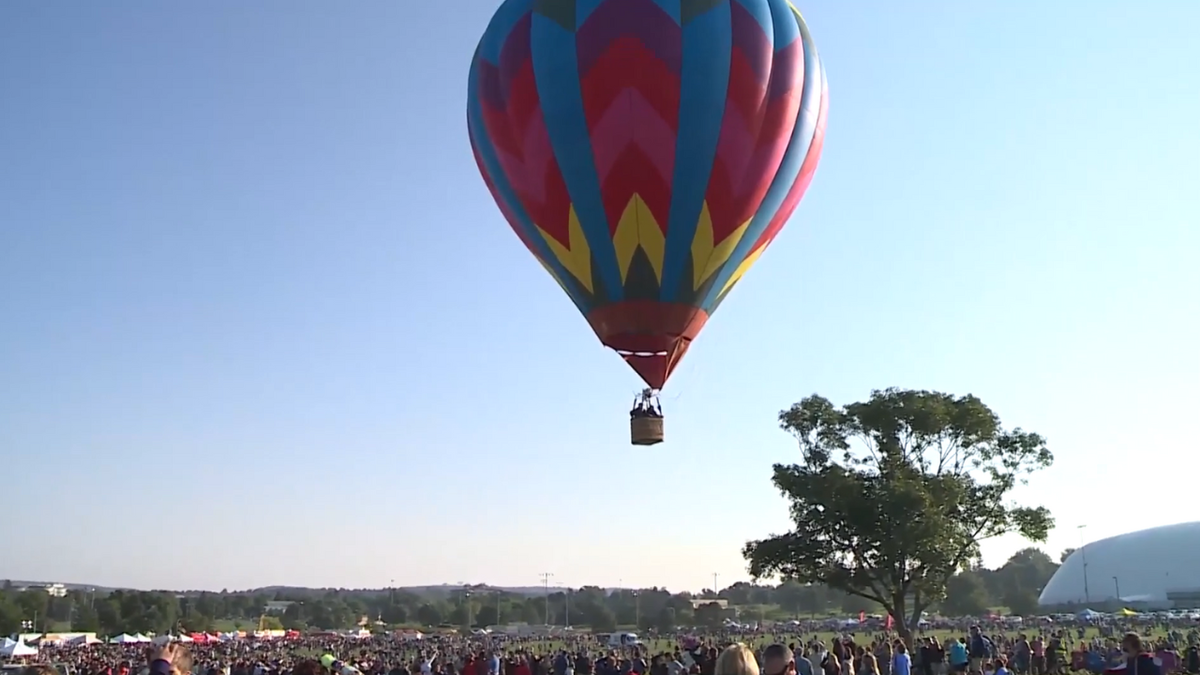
(893, 496)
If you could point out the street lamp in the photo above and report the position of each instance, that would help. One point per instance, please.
(1117, 587)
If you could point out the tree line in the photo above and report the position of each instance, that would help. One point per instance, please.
(973, 592)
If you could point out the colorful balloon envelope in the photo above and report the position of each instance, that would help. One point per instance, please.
(647, 151)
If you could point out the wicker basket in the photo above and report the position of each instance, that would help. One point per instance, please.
(646, 430)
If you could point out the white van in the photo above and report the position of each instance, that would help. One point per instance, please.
(622, 639)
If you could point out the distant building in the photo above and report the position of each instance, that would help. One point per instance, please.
(1151, 569)
(697, 603)
(56, 590)
(277, 606)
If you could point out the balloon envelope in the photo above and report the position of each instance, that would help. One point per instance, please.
(647, 151)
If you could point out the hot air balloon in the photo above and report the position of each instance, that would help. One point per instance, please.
(647, 152)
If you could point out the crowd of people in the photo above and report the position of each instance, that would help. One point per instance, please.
(973, 650)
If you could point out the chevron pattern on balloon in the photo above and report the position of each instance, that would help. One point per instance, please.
(790, 202)
(807, 171)
(504, 206)
(630, 55)
(517, 127)
(756, 128)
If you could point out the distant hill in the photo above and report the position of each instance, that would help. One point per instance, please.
(298, 590)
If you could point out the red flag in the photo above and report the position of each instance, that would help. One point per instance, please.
(862, 616)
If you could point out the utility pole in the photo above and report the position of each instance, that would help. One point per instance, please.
(637, 610)
(1087, 597)
(546, 585)
(567, 607)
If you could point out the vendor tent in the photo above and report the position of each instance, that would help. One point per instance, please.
(17, 649)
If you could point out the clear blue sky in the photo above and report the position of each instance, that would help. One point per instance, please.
(262, 322)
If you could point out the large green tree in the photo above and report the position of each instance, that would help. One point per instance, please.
(894, 494)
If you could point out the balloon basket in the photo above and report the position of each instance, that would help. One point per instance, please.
(646, 430)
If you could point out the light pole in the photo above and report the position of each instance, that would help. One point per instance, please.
(1087, 597)
(1117, 587)
(716, 593)
(567, 607)
(467, 601)
(546, 585)
(637, 610)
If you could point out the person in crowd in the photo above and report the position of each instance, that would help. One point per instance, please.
(868, 664)
(1000, 666)
(736, 659)
(901, 661)
(780, 660)
(979, 650)
(956, 655)
(1137, 660)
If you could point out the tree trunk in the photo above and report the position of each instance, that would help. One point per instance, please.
(915, 621)
(900, 618)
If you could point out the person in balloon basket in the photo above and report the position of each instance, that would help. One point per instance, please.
(1137, 660)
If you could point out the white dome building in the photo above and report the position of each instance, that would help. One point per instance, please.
(1157, 567)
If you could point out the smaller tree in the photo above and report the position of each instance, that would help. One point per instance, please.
(393, 613)
(966, 595)
(429, 614)
(487, 616)
(665, 621)
(711, 615)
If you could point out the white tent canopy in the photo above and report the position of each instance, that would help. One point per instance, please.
(17, 649)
